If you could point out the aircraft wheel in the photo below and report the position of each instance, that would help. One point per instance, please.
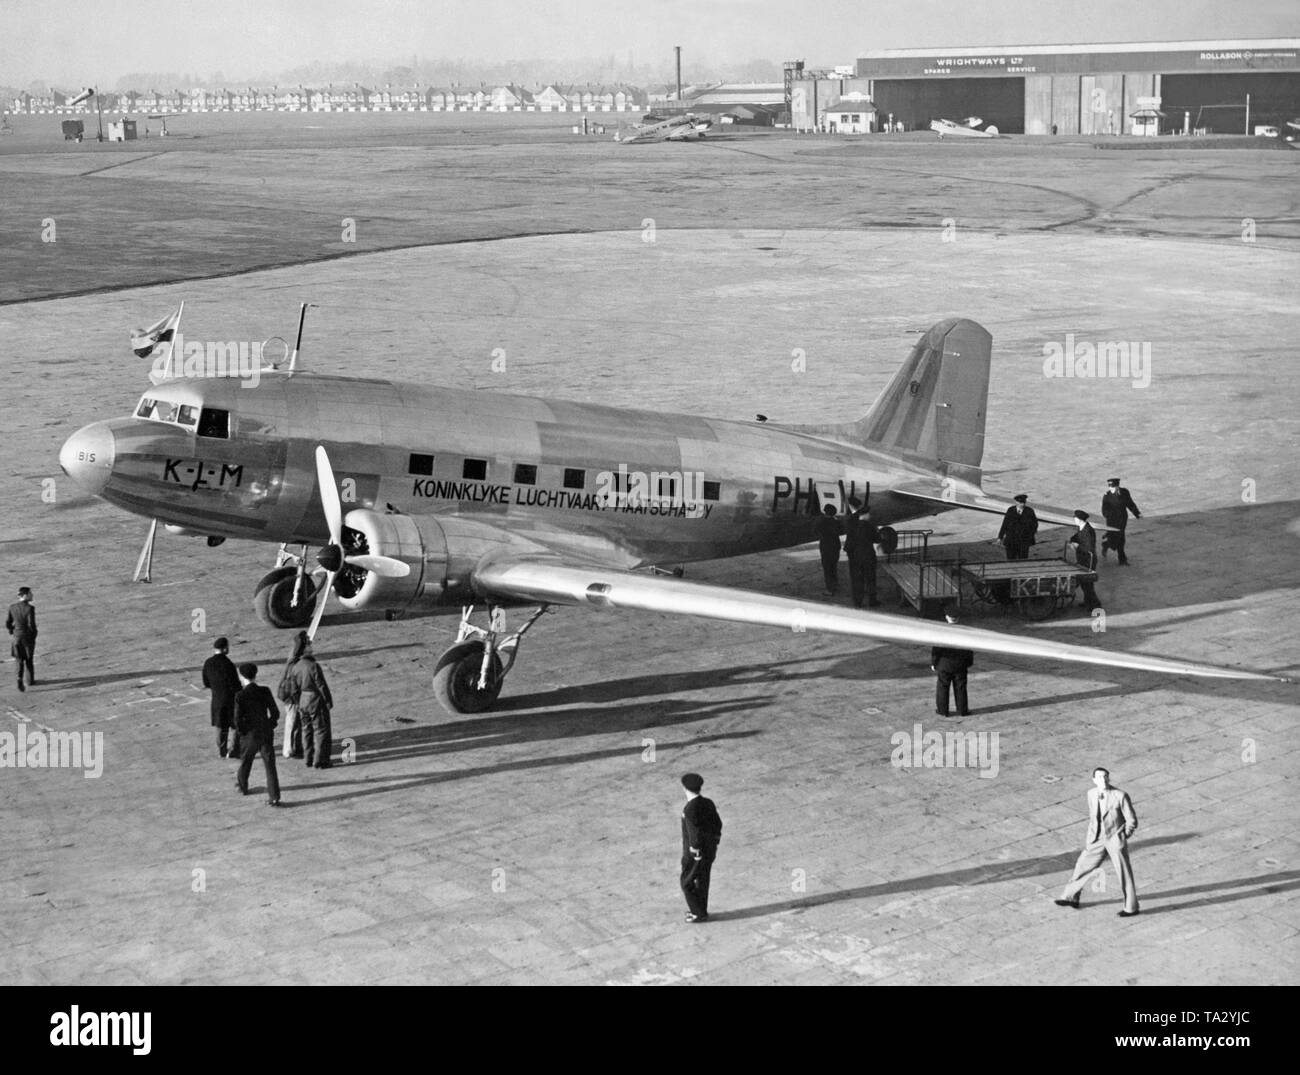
(455, 679)
(1038, 607)
(274, 597)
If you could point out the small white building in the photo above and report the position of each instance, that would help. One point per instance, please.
(852, 113)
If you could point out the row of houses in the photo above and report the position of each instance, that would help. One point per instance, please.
(352, 98)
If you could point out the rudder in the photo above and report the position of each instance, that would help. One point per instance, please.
(936, 404)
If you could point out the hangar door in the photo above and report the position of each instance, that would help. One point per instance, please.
(916, 101)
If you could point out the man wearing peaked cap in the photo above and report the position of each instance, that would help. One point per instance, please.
(1084, 541)
(1019, 528)
(1116, 504)
(701, 832)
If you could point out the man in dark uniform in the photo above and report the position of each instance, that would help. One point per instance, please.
(1085, 552)
(1115, 506)
(314, 703)
(255, 717)
(701, 833)
(21, 624)
(220, 677)
(950, 666)
(1019, 528)
(828, 542)
(860, 541)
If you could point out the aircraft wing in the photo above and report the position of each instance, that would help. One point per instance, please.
(546, 579)
(937, 493)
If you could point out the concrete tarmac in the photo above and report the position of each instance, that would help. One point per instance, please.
(538, 843)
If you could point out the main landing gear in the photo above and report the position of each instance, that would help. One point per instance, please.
(469, 675)
(286, 597)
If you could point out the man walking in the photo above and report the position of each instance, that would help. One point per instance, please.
(1111, 821)
(1084, 541)
(950, 666)
(701, 832)
(1019, 528)
(255, 717)
(21, 625)
(1115, 506)
(828, 544)
(220, 677)
(860, 541)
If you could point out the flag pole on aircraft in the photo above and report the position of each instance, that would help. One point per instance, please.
(168, 370)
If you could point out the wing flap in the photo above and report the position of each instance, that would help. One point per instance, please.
(553, 581)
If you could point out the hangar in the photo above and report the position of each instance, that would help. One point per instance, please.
(1092, 89)
(1180, 87)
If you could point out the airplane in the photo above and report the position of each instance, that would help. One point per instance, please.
(968, 128)
(165, 116)
(687, 128)
(424, 499)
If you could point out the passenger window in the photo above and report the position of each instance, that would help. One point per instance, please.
(574, 478)
(712, 490)
(474, 470)
(421, 464)
(214, 423)
(525, 474)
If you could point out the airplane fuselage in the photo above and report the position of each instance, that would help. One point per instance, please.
(664, 488)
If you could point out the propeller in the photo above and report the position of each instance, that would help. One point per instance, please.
(332, 557)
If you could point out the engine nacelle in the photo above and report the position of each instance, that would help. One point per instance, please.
(400, 537)
(441, 551)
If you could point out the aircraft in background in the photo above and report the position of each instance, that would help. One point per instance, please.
(653, 128)
(165, 116)
(424, 499)
(968, 128)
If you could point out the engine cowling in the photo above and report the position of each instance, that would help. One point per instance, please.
(418, 544)
(441, 551)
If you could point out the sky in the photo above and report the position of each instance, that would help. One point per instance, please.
(86, 41)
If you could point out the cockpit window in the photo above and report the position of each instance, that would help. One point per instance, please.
(166, 410)
(214, 423)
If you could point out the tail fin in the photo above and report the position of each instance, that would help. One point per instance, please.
(936, 403)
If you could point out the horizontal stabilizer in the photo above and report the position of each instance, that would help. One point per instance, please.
(548, 581)
(938, 493)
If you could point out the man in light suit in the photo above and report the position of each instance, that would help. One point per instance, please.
(1111, 821)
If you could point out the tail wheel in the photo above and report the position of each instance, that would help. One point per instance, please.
(456, 679)
(274, 600)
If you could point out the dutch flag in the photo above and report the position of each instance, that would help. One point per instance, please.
(144, 341)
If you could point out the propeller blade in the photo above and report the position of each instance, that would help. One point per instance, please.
(383, 566)
(321, 600)
(329, 495)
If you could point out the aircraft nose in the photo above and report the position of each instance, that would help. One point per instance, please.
(87, 457)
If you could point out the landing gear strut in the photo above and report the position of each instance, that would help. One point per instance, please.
(469, 675)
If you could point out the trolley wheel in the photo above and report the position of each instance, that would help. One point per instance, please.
(1038, 607)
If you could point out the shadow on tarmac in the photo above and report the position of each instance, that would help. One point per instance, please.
(1270, 884)
(384, 785)
(975, 875)
(494, 730)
